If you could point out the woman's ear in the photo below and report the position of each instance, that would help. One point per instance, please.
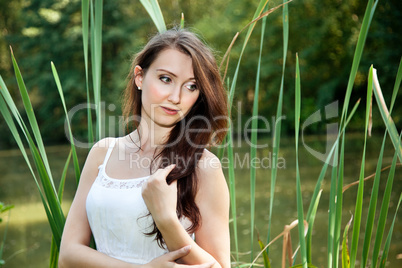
(138, 76)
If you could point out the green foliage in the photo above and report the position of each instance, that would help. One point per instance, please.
(323, 33)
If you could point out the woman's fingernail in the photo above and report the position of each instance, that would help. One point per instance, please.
(187, 248)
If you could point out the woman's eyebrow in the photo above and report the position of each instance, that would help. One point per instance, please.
(172, 74)
(164, 70)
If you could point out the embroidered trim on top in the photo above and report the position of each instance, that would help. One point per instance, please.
(119, 184)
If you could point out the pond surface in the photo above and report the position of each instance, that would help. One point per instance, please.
(29, 235)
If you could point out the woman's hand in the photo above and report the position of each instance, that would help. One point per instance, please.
(160, 197)
(168, 260)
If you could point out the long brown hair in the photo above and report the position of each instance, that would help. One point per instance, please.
(207, 119)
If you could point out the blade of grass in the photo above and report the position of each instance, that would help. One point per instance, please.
(372, 205)
(396, 86)
(368, 15)
(85, 38)
(277, 129)
(267, 263)
(332, 210)
(310, 215)
(359, 198)
(258, 11)
(254, 146)
(31, 116)
(51, 195)
(74, 152)
(388, 241)
(54, 254)
(310, 228)
(154, 11)
(55, 216)
(384, 210)
(232, 189)
(339, 204)
(299, 198)
(389, 123)
(10, 123)
(98, 64)
(182, 21)
(345, 251)
(63, 177)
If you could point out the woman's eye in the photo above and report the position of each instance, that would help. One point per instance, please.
(191, 87)
(165, 79)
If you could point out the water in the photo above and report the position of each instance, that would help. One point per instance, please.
(28, 238)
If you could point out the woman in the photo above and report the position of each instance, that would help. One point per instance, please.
(145, 197)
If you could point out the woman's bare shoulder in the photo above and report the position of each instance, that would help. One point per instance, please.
(209, 162)
(97, 153)
(209, 172)
(95, 158)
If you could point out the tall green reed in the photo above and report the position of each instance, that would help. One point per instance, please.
(52, 198)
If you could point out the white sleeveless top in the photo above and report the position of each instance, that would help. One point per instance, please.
(117, 215)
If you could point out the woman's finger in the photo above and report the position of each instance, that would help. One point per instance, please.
(167, 169)
(164, 172)
(177, 254)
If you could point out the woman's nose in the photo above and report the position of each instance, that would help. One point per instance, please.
(174, 96)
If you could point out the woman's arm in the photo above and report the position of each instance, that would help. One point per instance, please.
(213, 241)
(74, 249)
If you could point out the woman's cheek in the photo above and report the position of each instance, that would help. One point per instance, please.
(156, 93)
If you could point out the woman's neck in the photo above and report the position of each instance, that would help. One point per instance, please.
(151, 135)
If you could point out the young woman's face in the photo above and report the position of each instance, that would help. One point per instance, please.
(169, 89)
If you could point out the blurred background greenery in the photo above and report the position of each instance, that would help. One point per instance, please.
(323, 32)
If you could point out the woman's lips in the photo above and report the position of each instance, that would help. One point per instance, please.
(169, 111)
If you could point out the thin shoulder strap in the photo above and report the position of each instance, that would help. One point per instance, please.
(109, 151)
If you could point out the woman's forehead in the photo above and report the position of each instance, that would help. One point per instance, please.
(175, 62)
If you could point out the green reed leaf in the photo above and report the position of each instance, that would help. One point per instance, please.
(359, 198)
(54, 254)
(267, 263)
(310, 228)
(31, 116)
(278, 123)
(384, 209)
(74, 152)
(389, 123)
(63, 177)
(368, 15)
(85, 38)
(339, 204)
(372, 205)
(254, 146)
(388, 241)
(232, 189)
(345, 251)
(97, 66)
(299, 197)
(397, 84)
(154, 11)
